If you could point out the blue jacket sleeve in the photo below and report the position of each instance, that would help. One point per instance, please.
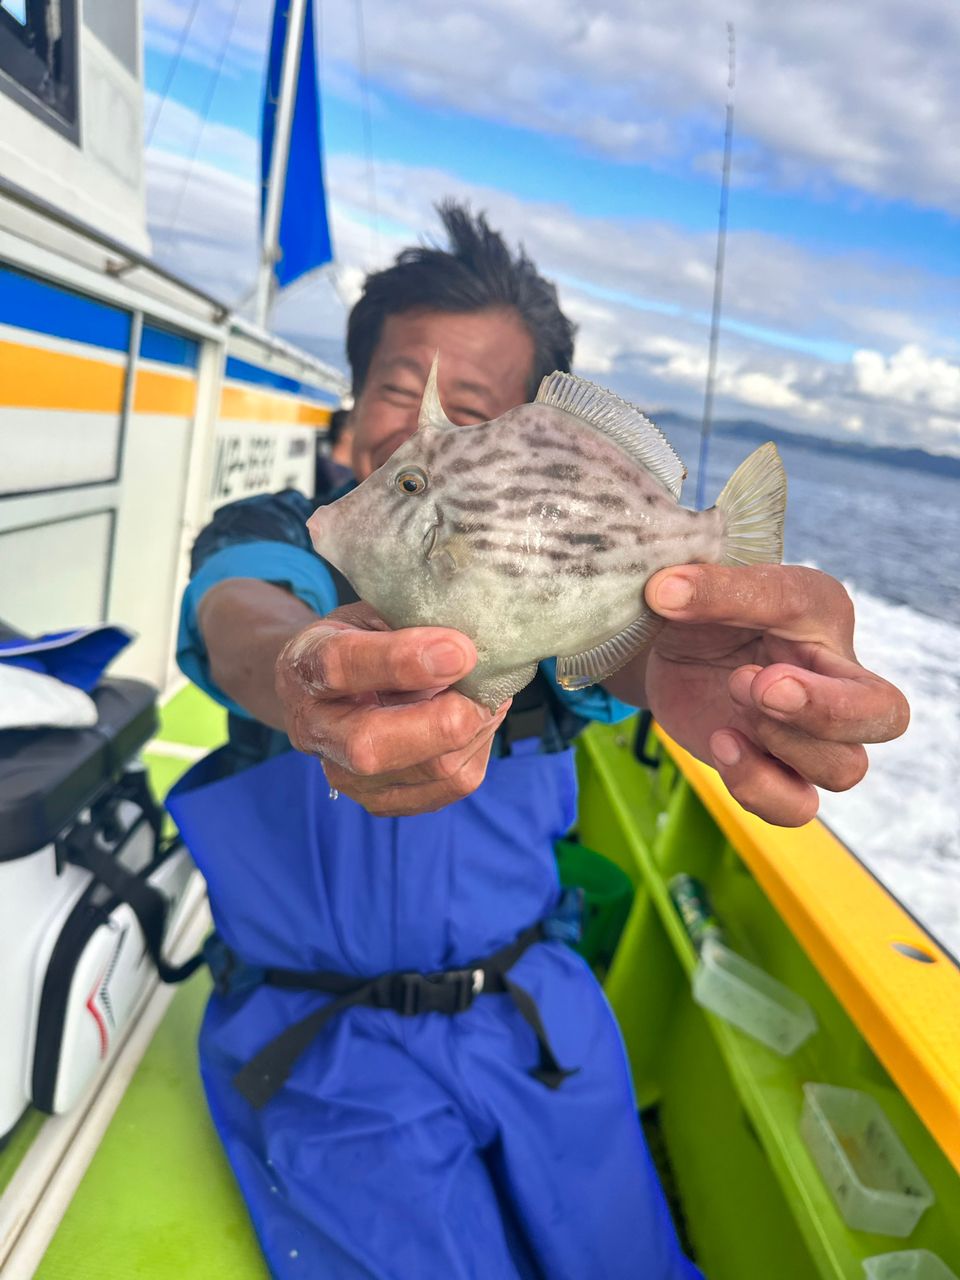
(262, 537)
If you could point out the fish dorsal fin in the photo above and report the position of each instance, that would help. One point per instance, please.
(619, 421)
(432, 417)
(580, 669)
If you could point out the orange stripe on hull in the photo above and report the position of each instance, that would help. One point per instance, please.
(163, 393)
(32, 378)
(249, 405)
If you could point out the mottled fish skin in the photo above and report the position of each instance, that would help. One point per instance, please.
(534, 535)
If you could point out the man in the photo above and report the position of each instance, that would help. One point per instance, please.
(500, 1142)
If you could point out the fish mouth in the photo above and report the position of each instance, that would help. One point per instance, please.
(325, 543)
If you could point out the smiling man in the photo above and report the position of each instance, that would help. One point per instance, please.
(410, 1074)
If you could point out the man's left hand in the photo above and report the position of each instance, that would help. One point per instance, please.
(756, 674)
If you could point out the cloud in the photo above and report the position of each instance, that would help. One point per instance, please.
(180, 131)
(909, 376)
(167, 27)
(647, 83)
(638, 291)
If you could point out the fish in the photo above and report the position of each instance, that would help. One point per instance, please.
(534, 534)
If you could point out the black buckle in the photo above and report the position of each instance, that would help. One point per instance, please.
(448, 992)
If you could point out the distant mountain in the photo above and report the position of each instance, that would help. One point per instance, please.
(745, 429)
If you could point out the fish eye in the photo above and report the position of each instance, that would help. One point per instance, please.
(411, 481)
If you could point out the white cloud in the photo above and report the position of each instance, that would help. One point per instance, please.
(648, 82)
(180, 131)
(246, 24)
(910, 376)
(639, 293)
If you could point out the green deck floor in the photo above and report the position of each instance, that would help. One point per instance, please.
(159, 1199)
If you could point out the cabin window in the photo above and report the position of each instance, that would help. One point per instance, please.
(38, 59)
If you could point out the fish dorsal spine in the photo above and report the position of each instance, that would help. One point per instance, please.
(432, 417)
(619, 421)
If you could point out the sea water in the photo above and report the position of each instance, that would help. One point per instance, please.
(892, 535)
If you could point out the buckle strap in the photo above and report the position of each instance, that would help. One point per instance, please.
(406, 993)
(147, 903)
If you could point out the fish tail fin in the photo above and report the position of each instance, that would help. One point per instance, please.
(753, 504)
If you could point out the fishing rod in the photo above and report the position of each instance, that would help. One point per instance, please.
(718, 272)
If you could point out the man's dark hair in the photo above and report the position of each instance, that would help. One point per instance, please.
(477, 271)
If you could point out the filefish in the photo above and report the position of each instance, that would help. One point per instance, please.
(535, 533)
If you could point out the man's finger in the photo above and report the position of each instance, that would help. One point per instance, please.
(333, 661)
(836, 766)
(368, 740)
(761, 784)
(403, 800)
(839, 702)
(791, 601)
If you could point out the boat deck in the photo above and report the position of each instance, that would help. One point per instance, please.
(158, 1198)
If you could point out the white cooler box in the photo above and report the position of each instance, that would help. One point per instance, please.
(88, 891)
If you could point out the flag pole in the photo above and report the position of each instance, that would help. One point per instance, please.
(718, 273)
(283, 123)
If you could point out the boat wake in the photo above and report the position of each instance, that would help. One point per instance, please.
(903, 820)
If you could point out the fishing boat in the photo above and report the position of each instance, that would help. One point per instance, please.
(793, 1033)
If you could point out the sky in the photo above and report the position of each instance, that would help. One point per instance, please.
(593, 134)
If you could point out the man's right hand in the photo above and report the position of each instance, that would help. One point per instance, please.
(375, 705)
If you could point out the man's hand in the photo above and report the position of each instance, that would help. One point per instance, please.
(756, 674)
(376, 706)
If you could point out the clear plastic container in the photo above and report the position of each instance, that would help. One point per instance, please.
(915, 1264)
(743, 994)
(876, 1185)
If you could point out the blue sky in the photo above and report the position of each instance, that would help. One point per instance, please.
(595, 137)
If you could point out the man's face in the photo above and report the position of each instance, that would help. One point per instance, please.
(486, 359)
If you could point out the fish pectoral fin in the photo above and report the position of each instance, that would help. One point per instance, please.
(582, 669)
(448, 554)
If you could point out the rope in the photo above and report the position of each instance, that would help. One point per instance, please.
(172, 71)
(211, 90)
(368, 128)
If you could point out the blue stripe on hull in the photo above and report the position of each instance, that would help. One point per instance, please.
(168, 347)
(28, 303)
(242, 371)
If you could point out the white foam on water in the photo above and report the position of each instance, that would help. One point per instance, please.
(903, 820)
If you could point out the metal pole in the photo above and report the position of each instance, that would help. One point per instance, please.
(282, 125)
(718, 273)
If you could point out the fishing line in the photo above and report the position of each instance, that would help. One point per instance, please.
(208, 101)
(718, 272)
(172, 71)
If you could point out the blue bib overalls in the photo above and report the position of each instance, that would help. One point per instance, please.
(419, 1148)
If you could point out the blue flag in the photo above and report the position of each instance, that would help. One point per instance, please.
(304, 229)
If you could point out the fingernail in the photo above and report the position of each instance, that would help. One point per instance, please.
(725, 748)
(740, 685)
(675, 593)
(785, 695)
(443, 659)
